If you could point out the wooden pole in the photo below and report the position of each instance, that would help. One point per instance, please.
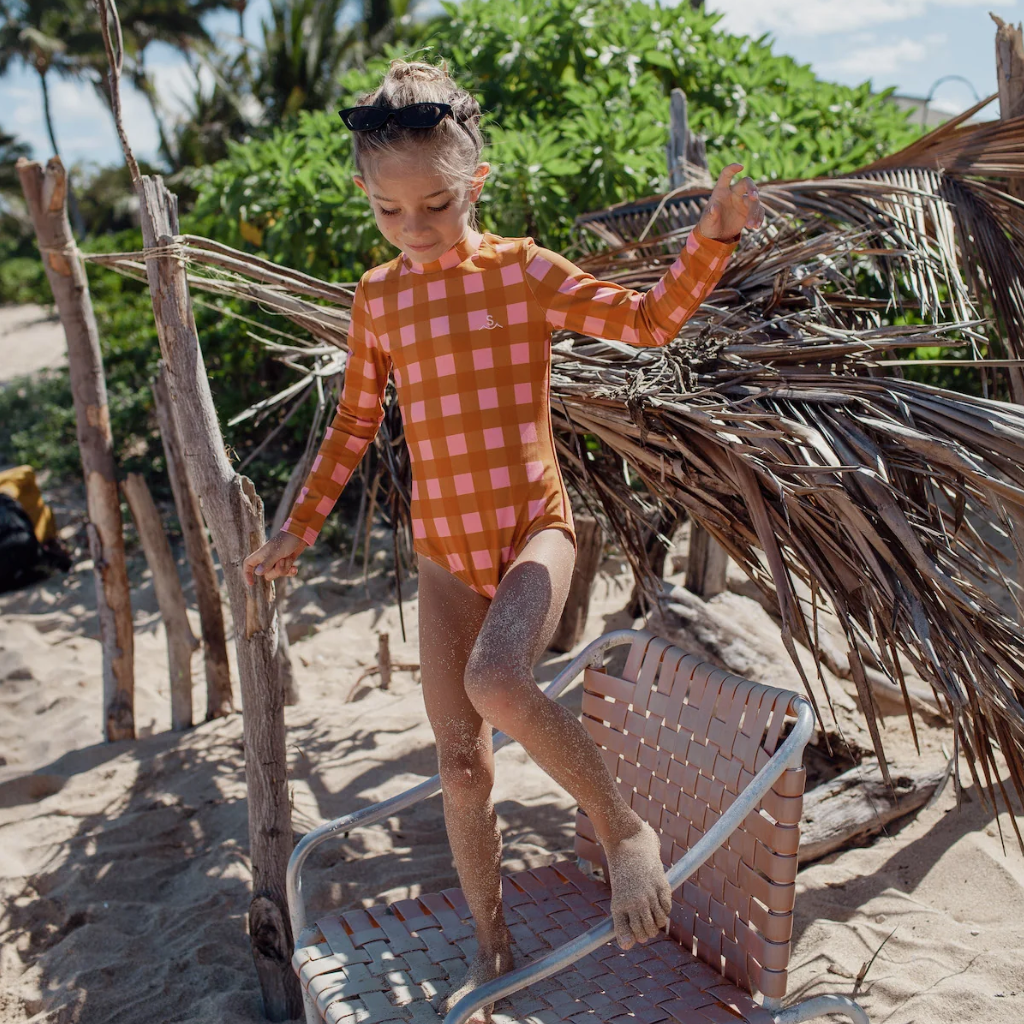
(219, 701)
(46, 195)
(1010, 79)
(285, 669)
(181, 642)
(1010, 83)
(234, 514)
(384, 660)
(688, 164)
(589, 549)
(707, 564)
(686, 151)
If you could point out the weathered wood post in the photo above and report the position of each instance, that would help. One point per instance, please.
(707, 563)
(1010, 79)
(181, 642)
(219, 701)
(46, 195)
(1010, 83)
(285, 669)
(234, 514)
(688, 164)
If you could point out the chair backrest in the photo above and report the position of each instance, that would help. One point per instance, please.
(682, 738)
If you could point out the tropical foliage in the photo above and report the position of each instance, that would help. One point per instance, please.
(767, 420)
(575, 94)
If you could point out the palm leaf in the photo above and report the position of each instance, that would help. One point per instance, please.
(770, 422)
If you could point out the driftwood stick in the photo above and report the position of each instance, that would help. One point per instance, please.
(234, 514)
(46, 196)
(171, 599)
(707, 563)
(384, 660)
(219, 701)
(858, 804)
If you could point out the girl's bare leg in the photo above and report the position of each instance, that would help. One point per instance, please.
(500, 683)
(450, 616)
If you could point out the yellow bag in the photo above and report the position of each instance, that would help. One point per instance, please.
(20, 484)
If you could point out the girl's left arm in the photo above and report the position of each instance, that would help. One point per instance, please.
(578, 301)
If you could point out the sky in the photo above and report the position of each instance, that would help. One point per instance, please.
(909, 44)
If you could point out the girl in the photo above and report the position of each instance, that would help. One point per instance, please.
(463, 319)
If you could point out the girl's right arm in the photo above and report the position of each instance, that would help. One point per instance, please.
(355, 424)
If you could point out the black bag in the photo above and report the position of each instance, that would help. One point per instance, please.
(22, 559)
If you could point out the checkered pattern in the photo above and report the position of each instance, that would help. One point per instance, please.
(467, 337)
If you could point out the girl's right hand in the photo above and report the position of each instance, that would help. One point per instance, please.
(275, 558)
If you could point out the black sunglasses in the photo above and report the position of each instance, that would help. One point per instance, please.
(415, 115)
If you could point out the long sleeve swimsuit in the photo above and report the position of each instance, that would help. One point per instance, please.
(468, 339)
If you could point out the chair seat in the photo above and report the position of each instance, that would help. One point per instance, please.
(387, 962)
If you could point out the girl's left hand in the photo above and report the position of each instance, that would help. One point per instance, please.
(732, 206)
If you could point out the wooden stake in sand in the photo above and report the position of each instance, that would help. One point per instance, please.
(688, 165)
(46, 195)
(1010, 82)
(181, 642)
(234, 513)
(197, 547)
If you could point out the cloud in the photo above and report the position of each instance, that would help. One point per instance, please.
(882, 60)
(879, 60)
(82, 123)
(822, 17)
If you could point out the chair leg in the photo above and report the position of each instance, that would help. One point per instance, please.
(818, 1006)
(311, 1012)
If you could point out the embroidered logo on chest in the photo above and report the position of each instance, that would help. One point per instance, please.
(490, 323)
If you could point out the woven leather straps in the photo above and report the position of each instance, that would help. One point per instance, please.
(683, 738)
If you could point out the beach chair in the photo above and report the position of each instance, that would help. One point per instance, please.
(714, 763)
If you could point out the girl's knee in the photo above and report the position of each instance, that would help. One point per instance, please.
(466, 781)
(492, 691)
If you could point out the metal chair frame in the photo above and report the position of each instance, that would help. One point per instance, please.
(789, 754)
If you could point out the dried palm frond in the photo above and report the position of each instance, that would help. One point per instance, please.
(768, 419)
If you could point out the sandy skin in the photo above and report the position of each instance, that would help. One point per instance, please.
(484, 967)
(641, 903)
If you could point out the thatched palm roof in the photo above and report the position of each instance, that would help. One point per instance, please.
(778, 419)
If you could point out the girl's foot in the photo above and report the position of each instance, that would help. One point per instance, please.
(641, 898)
(485, 966)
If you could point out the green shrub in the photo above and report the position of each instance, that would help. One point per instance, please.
(576, 101)
(23, 279)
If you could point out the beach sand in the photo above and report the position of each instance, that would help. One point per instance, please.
(31, 338)
(124, 870)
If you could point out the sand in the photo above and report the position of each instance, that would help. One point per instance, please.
(124, 873)
(31, 338)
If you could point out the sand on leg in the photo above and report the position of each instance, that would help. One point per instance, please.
(450, 616)
(500, 683)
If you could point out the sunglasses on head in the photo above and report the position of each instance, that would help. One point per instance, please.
(415, 115)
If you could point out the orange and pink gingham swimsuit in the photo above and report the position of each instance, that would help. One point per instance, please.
(468, 338)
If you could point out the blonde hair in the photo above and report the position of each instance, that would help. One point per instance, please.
(453, 146)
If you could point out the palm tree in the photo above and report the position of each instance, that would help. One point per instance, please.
(175, 22)
(40, 35)
(302, 55)
(306, 48)
(34, 33)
